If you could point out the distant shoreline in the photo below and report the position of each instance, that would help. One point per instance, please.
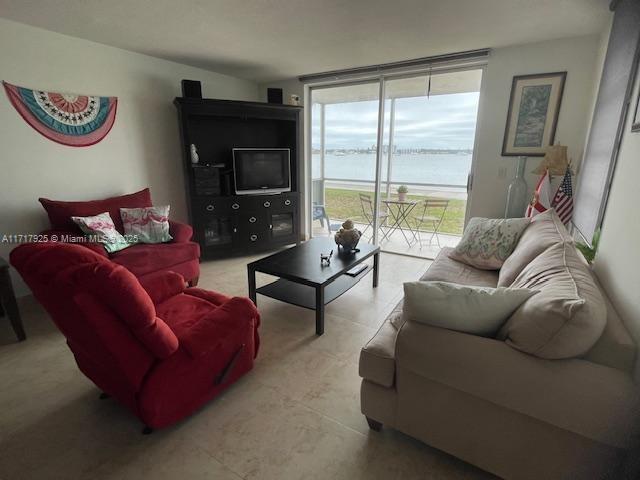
(458, 193)
(423, 173)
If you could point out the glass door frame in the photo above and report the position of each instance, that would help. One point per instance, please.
(381, 79)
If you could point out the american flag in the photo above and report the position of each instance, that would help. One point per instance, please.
(563, 201)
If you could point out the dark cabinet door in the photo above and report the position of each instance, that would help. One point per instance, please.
(282, 225)
(252, 230)
(244, 223)
(282, 218)
(215, 231)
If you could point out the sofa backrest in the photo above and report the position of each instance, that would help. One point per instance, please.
(615, 348)
(544, 231)
(60, 212)
(567, 316)
(100, 307)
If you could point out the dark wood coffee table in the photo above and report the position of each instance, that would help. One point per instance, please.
(306, 283)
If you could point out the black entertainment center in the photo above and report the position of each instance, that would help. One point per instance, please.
(245, 200)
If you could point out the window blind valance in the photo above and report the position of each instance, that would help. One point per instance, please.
(433, 62)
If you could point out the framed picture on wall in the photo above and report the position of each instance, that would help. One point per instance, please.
(533, 113)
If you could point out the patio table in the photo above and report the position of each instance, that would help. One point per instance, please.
(399, 212)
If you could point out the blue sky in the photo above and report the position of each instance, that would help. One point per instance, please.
(440, 121)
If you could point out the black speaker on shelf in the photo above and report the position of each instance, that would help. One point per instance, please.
(191, 89)
(274, 95)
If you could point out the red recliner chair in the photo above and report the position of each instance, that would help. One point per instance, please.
(159, 348)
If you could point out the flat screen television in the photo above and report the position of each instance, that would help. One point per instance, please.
(261, 170)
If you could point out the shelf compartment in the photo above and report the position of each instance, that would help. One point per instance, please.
(304, 295)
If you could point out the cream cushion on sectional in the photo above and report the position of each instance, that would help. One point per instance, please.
(377, 358)
(568, 315)
(475, 310)
(446, 269)
(615, 347)
(545, 230)
(591, 400)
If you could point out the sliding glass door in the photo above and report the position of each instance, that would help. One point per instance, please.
(344, 144)
(394, 154)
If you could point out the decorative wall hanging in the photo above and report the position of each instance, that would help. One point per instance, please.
(74, 120)
(534, 107)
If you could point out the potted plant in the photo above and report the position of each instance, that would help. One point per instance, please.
(402, 193)
(589, 251)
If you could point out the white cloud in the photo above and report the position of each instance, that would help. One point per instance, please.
(441, 121)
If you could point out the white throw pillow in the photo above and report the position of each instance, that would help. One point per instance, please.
(148, 224)
(488, 242)
(476, 310)
(100, 228)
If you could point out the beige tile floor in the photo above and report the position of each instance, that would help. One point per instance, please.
(295, 416)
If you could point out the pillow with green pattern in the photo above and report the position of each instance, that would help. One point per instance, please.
(488, 242)
(100, 228)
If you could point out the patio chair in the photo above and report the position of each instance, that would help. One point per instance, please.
(320, 213)
(428, 217)
(366, 203)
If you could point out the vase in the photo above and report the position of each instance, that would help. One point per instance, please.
(402, 196)
(195, 158)
(348, 237)
(517, 192)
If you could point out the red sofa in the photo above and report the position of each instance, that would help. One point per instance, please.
(180, 255)
(160, 349)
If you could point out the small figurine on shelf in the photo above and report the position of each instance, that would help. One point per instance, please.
(326, 259)
(195, 158)
(348, 237)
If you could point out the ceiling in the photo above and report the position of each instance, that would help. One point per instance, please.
(265, 40)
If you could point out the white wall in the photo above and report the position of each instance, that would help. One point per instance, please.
(289, 86)
(618, 260)
(143, 148)
(579, 58)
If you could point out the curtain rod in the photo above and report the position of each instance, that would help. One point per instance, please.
(383, 67)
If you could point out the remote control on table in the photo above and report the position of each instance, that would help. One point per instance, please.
(356, 270)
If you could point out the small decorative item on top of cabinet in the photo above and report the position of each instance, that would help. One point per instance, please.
(195, 158)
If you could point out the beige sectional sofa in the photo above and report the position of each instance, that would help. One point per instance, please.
(543, 400)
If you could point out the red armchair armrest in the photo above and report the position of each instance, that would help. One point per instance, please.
(208, 295)
(181, 232)
(217, 328)
(162, 285)
(63, 236)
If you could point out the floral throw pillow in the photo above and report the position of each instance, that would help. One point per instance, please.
(487, 243)
(149, 225)
(102, 228)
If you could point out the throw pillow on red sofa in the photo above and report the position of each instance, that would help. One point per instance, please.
(179, 255)
(60, 212)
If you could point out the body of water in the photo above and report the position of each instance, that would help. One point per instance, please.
(438, 169)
